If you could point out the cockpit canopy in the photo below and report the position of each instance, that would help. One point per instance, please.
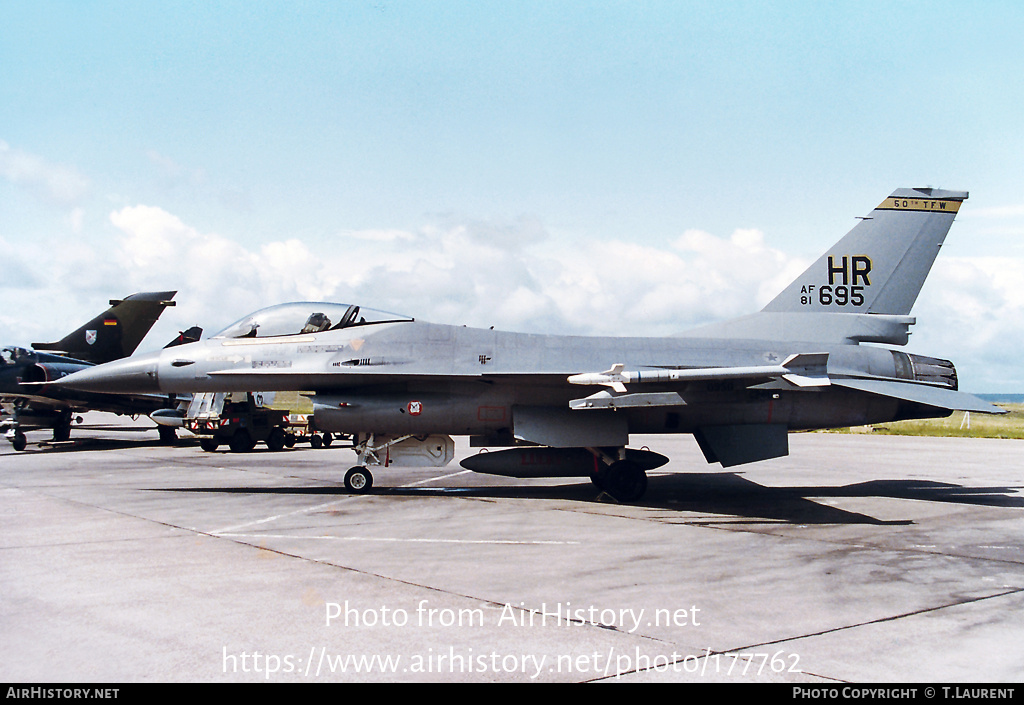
(305, 317)
(11, 356)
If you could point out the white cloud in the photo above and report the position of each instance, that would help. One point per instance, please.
(974, 307)
(740, 274)
(1011, 211)
(54, 182)
(381, 235)
(471, 273)
(993, 223)
(75, 219)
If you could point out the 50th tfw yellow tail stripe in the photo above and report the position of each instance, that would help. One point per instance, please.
(919, 204)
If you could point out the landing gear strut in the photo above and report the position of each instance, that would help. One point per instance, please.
(359, 479)
(369, 451)
(62, 427)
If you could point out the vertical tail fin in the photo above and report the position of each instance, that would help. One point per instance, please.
(186, 336)
(116, 332)
(879, 266)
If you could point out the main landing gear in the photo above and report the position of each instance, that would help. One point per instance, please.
(623, 480)
(620, 473)
(13, 426)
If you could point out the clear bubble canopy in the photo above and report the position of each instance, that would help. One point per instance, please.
(306, 317)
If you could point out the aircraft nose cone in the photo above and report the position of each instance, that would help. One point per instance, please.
(130, 375)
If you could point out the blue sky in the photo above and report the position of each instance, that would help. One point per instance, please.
(584, 167)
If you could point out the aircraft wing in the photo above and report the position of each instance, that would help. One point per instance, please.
(940, 397)
(805, 370)
(800, 370)
(140, 403)
(35, 400)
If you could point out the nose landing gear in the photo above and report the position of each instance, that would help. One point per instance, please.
(358, 480)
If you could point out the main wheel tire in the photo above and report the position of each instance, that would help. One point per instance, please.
(625, 481)
(19, 441)
(358, 480)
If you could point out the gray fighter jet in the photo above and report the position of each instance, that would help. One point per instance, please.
(566, 406)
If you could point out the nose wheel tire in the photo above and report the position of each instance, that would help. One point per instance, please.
(358, 480)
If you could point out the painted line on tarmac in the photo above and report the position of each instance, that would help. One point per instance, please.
(318, 507)
(509, 542)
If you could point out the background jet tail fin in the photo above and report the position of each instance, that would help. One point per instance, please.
(186, 336)
(116, 332)
(879, 266)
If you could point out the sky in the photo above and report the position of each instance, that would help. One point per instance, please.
(596, 168)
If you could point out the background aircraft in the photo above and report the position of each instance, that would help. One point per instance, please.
(29, 402)
(566, 406)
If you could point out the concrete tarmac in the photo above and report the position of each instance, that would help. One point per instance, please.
(855, 559)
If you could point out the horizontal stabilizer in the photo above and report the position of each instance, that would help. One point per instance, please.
(922, 394)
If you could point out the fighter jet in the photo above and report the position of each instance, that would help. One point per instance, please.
(566, 406)
(113, 334)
